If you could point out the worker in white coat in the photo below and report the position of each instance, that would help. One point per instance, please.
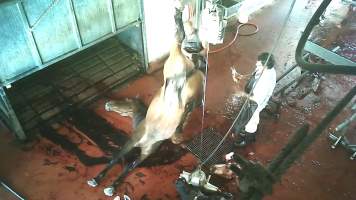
(262, 84)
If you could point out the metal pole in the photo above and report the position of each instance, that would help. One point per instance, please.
(12, 119)
(11, 190)
(143, 35)
(112, 15)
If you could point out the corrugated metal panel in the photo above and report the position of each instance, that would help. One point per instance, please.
(90, 31)
(15, 54)
(54, 33)
(126, 12)
(37, 33)
(42, 32)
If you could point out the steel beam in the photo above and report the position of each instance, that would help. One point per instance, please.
(327, 55)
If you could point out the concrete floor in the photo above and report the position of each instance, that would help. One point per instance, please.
(41, 170)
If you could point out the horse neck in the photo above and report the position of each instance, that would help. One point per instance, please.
(176, 50)
(177, 63)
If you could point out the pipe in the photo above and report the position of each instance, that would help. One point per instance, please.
(11, 190)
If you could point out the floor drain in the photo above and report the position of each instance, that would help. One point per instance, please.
(210, 141)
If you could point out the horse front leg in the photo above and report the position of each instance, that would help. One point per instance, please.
(145, 152)
(116, 158)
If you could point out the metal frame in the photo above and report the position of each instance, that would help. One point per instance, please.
(35, 51)
(143, 34)
(66, 96)
(112, 16)
(327, 55)
(10, 116)
(75, 24)
(6, 110)
(20, 76)
(339, 136)
(30, 38)
(328, 68)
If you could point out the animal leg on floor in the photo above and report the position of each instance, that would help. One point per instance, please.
(145, 152)
(116, 158)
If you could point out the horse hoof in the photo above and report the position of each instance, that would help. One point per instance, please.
(177, 139)
(109, 191)
(92, 183)
(108, 106)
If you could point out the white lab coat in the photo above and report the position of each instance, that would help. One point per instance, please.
(262, 92)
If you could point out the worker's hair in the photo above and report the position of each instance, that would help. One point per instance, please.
(263, 58)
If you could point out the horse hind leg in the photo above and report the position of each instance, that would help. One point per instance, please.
(116, 158)
(145, 152)
(132, 108)
(177, 138)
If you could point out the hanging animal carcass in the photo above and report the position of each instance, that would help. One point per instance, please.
(167, 114)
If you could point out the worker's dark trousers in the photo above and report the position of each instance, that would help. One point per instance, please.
(245, 116)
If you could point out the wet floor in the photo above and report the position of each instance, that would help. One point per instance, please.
(43, 170)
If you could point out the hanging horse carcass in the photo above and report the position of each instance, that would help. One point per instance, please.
(166, 115)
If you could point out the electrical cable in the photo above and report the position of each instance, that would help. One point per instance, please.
(203, 102)
(236, 34)
(248, 24)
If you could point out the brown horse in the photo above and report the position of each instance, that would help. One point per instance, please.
(166, 115)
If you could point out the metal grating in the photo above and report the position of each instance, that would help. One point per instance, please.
(211, 139)
(78, 79)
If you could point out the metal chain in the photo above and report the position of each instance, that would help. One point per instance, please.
(54, 2)
(249, 94)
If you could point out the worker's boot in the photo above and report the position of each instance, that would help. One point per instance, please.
(244, 139)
